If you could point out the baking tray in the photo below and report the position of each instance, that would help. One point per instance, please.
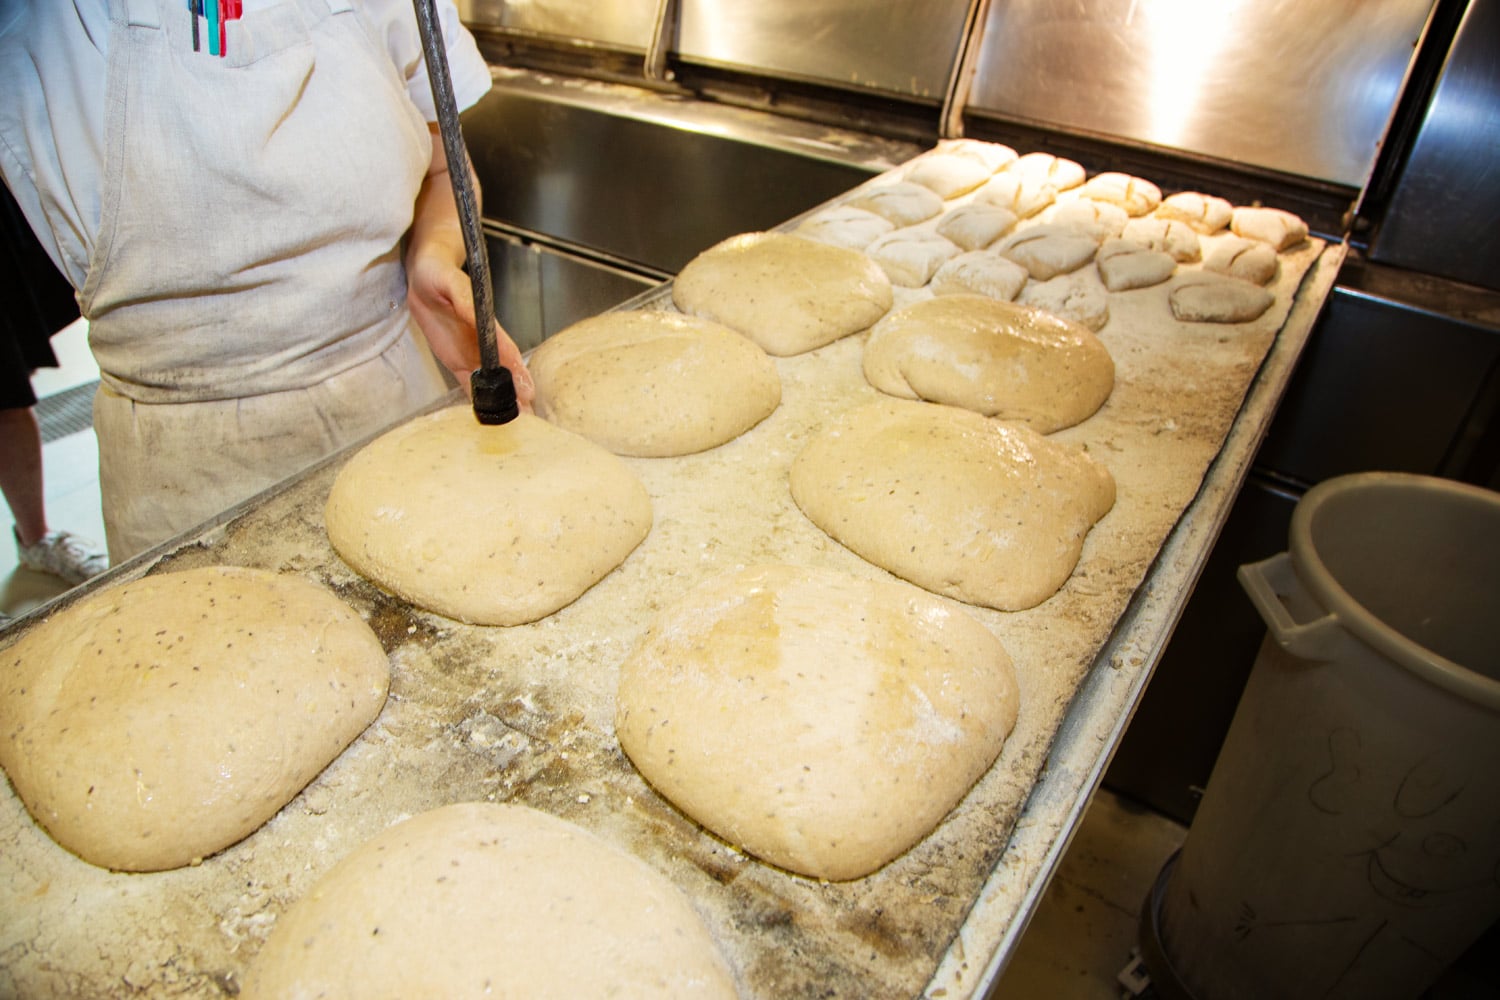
(524, 714)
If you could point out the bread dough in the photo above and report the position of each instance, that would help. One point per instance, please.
(1025, 196)
(1059, 173)
(910, 257)
(653, 383)
(976, 225)
(1098, 220)
(1124, 265)
(996, 358)
(993, 155)
(988, 512)
(1049, 250)
(1205, 297)
(1249, 260)
(482, 900)
(979, 272)
(821, 722)
(1174, 238)
(1134, 194)
(948, 175)
(1204, 212)
(1071, 297)
(788, 294)
(491, 525)
(1281, 229)
(158, 721)
(845, 226)
(902, 202)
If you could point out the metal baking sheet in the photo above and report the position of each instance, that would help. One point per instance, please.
(524, 714)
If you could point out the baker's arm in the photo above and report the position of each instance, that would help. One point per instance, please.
(438, 289)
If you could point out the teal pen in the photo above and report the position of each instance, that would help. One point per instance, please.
(211, 8)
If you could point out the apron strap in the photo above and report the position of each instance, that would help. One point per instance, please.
(143, 13)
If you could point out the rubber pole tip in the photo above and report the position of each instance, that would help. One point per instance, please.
(494, 395)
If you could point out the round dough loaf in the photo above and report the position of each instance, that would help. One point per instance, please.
(491, 525)
(653, 383)
(988, 512)
(479, 900)
(788, 294)
(822, 722)
(995, 358)
(158, 721)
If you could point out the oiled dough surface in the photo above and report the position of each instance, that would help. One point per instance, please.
(822, 722)
(997, 358)
(478, 900)
(991, 513)
(158, 721)
(788, 294)
(653, 383)
(491, 525)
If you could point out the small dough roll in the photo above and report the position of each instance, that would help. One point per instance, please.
(1134, 194)
(1205, 297)
(948, 175)
(1204, 212)
(819, 721)
(901, 202)
(1049, 250)
(1249, 260)
(158, 721)
(1071, 297)
(480, 900)
(984, 511)
(911, 257)
(1124, 265)
(1099, 220)
(1176, 239)
(1059, 173)
(1281, 229)
(653, 383)
(1025, 196)
(976, 225)
(844, 226)
(979, 273)
(788, 294)
(491, 525)
(995, 358)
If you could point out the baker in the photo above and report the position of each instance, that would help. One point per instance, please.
(256, 216)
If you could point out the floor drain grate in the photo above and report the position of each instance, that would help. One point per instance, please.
(66, 412)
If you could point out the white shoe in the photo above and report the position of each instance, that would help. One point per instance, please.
(63, 555)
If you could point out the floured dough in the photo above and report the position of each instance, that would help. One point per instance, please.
(1049, 250)
(902, 202)
(1099, 220)
(1071, 297)
(492, 525)
(1060, 173)
(158, 721)
(1249, 260)
(1025, 196)
(1134, 194)
(653, 383)
(481, 900)
(909, 257)
(979, 273)
(845, 226)
(788, 294)
(995, 358)
(976, 225)
(1205, 297)
(1174, 238)
(988, 512)
(1279, 228)
(948, 175)
(822, 722)
(1204, 212)
(1124, 264)
(993, 155)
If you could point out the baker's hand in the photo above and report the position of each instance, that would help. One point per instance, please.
(441, 299)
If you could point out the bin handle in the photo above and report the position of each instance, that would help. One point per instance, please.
(1265, 582)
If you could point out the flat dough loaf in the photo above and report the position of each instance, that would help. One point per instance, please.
(822, 722)
(653, 383)
(158, 721)
(480, 900)
(788, 294)
(988, 512)
(491, 525)
(995, 358)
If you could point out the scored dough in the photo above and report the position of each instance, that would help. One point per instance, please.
(1124, 264)
(844, 226)
(1204, 212)
(995, 358)
(788, 294)
(1071, 297)
(158, 721)
(653, 383)
(482, 900)
(1250, 260)
(1206, 297)
(976, 225)
(1059, 172)
(903, 203)
(1280, 228)
(988, 512)
(1099, 220)
(1178, 239)
(819, 721)
(979, 273)
(1049, 250)
(1025, 196)
(1135, 195)
(491, 525)
(949, 175)
(910, 257)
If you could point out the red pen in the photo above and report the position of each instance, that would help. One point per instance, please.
(229, 10)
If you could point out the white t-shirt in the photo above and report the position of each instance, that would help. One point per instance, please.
(53, 55)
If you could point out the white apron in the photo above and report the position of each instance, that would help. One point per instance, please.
(246, 298)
